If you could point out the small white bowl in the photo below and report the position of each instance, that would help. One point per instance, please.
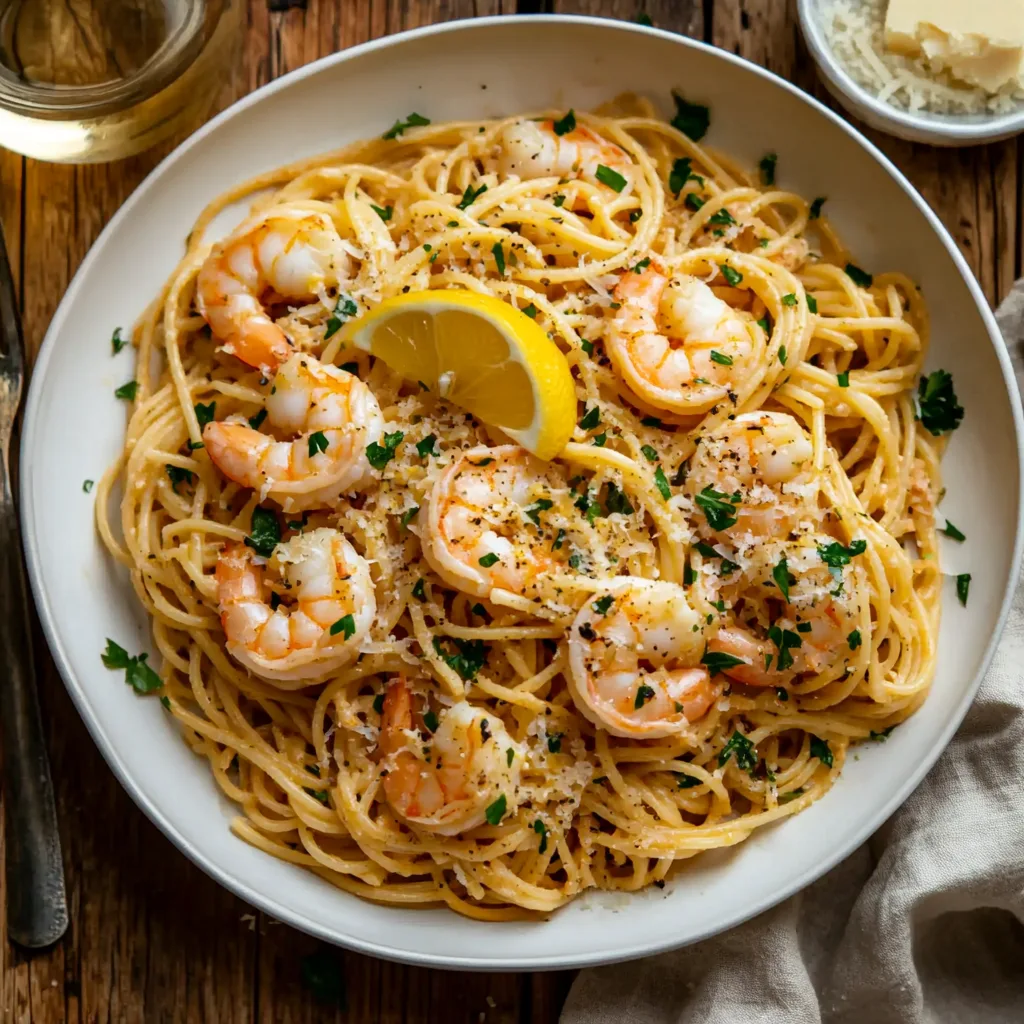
(922, 126)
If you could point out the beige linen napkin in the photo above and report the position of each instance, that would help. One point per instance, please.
(924, 924)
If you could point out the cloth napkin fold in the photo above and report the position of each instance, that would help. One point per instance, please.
(924, 924)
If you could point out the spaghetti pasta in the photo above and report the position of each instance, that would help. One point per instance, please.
(727, 578)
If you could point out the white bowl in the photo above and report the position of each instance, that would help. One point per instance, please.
(922, 126)
(74, 428)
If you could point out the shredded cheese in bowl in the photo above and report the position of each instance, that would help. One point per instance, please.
(855, 30)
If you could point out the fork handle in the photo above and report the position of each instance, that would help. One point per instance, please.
(37, 912)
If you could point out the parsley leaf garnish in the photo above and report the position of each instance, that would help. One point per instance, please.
(719, 509)
(265, 532)
(785, 641)
(380, 455)
(836, 555)
(496, 811)
(859, 277)
(471, 656)
(662, 483)
(821, 750)
(343, 309)
(692, 119)
(719, 661)
(127, 391)
(612, 179)
(643, 694)
(720, 358)
(602, 604)
(743, 749)
(409, 515)
(317, 442)
(591, 418)
(731, 275)
(470, 196)
(398, 128)
(853, 640)
(767, 168)
(963, 585)
(816, 206)
(938, 408)
(138, 675)
(427, 447)
(781, 576)
(540, 505)
(116, 341)
(566, 124)
(346, 624)
(488, 560)
(951, 531)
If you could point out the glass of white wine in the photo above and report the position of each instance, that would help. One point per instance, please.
(86, 81)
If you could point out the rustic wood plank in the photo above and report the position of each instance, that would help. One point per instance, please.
(683, 16)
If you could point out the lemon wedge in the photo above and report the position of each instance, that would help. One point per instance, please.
(480, 353)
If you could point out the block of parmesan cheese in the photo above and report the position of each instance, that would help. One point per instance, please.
(980, 42)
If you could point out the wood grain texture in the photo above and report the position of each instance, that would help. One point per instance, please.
(152, 938)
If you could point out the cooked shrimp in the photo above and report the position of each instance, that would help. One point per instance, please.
(674, 342)
(493, 518)
(754, 475)
(326, 607)
(292, 254)
(810, 630)
(446, 782)
(531, 149)
(634, 660)
(335, 415)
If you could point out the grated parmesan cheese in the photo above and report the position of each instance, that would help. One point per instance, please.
(855, 30)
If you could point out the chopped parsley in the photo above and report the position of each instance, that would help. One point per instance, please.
(781, 576)
(540, 505)
(720, 358)
(719, 509)
(937, 405)
(265, 532)
(812, 303)
(963, 585)
(881, 737)
(499, 257)
(786, 641)
(116, 341)
(384, 212)
(600, 439)
(566, 124)
(836, 555)
(859, 277)
(722, 216)
(496, 811)
(642, 264)
(559, 538)
(137, 673)
(419, 590)
(591, 418)
(617, 502)
(602, 604)
(684, 781)
(719, 661)
(767, 168)
(530, 311)
(178, 476)
(409, 515)
(346, 624)
(379, 455)
(743, 749)
(87, 485)
(643, 694)
(471, 656)
(615, 181)
(692, 119)
(558, 199)
(127, 391)
(661, 483)
(430, 722)
(821, 750)
(256, 421)
(427, 447)
(343, 309)
(789, 299)
(843, 379)
(542, 830)
(783, 355)
(680, 174)
(853, 640)
(816, 206)
(204, 413)
(649, 453)
(951, 531)
(732, 276)
(414, 120)
(488, 560)
(555, 743)
(317, 442)
(694, 201)
(510, 756)
(470, 196)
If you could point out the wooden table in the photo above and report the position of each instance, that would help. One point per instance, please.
(151, 937)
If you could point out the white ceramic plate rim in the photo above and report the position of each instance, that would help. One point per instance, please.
(280, 910)
(941, 128)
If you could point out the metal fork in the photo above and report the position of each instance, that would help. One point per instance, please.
(37, 911)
